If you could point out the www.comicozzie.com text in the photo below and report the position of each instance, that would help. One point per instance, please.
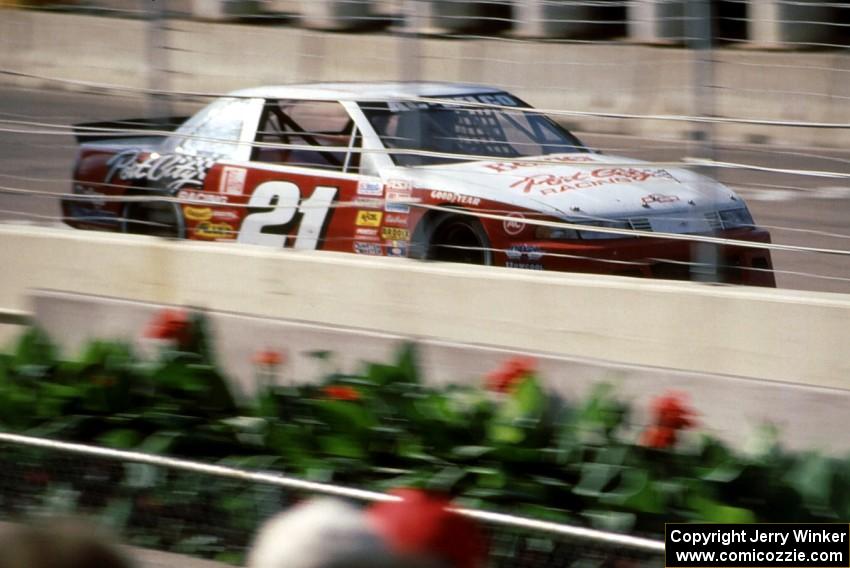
(726, 537)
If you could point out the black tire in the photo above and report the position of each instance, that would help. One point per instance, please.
(154, 218)
(458, 238)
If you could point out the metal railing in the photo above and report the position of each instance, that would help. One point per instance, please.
(92, 480)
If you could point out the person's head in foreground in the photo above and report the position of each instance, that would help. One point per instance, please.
(423, 531)
(320, 533)
(58, 544)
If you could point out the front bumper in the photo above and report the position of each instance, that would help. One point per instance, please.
(648, 257)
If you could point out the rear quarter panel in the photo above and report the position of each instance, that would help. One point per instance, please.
(91, 178)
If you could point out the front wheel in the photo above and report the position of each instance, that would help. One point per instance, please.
(459, 238)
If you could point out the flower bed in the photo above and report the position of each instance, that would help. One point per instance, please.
(507, 446)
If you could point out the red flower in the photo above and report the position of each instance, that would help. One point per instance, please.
(670, 414)
(512, 372)
(658, 437)
(338, 392)
(672, 411)
(172, 324)
(268, 358)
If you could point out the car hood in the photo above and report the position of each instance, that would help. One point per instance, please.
(579, 185)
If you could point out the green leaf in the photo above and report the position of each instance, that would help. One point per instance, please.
(34, 348)
(445, 479)
(345, 416)
(812, 477)
(519, 415)
(471, 452)
(530, 399)
(712, 511)
(159, 442)
(610, 520)
(60, 499)
(120, 438)
(406, 364)
(594, 478)
(342, 446)
(116, 514)
(141, 475)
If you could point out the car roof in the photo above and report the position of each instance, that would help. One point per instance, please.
(364, 91)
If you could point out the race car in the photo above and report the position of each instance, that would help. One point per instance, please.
(438, 171)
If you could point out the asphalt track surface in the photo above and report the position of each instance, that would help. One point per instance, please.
(798, 209)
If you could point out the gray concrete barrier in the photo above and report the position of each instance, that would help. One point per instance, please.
(629, 79)
(782, 335)
(730, 408)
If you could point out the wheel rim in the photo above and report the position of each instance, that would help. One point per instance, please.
(457, 242)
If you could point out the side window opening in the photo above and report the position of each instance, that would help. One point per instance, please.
(306, 128)
(215, 130)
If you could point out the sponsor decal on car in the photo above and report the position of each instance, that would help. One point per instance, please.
(398, 196)
(395, 234)
(197, 213)
(397, 220)
(455, 198)
(514, 225)
(368, 202)
(548, 184)
(523, 265)
(177, 170)
(373, 249)
(369, 218)
(232, 180)
(373, 188)
(530, 252)
(396, 248)
(366, 232)
(503, 167)
(208, 230)
(494, 99)
(190, 195)
(225, 214)
(92, 214)
(658, 198)
(85, 190)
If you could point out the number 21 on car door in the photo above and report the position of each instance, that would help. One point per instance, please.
(283, 210)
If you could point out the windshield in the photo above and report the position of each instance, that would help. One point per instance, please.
(472, 131)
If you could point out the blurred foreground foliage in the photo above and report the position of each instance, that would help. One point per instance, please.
(514, 448)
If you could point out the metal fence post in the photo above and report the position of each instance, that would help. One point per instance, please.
(700, 35)
(157, 59)
(412, 14)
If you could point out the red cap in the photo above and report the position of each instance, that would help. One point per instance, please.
(421, 524)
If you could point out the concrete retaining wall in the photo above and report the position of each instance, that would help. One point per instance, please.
(791, 336)
(730, 408)
(619, 78)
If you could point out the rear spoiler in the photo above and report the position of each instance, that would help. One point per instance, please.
(126, 128)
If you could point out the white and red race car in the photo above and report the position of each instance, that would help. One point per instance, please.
(439, 171)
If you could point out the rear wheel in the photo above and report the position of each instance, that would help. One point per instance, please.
(154, 218)
(459, 238)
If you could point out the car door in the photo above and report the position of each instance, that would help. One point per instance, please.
(300, 188)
